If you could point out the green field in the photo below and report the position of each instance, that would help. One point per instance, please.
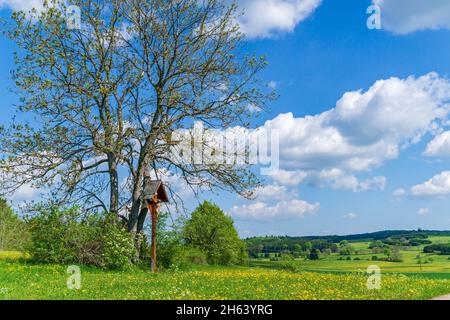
(21, 280)
(330, 277)
(437, 266)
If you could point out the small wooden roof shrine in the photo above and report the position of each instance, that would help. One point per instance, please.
(155, 187)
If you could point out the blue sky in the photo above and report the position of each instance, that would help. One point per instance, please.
(377, 158)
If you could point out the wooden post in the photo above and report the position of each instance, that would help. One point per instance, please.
(153, 209)
(154, 194)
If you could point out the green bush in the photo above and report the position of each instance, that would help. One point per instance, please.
(213, 232)
(65, 236)
(290, 264)
(395, 255)
(194, 256)
(118, 247)
(14, 234)
(441, 248)
(314, 255)
(55, 236)
(169, 244)
(274, 259)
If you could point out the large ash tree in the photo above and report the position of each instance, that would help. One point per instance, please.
(101, 101)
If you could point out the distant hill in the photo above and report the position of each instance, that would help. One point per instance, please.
(288, 244)
(381, 235)
(364, 236)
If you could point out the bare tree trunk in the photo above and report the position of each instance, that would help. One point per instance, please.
(139, 235)
(135, 205)
(141, 219)
(136, 199)
(114, 185)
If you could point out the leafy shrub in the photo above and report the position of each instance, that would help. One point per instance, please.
(118, 247)
(443, 248)
(14, 234)
(64, 236)
(286, 257)
(290, 264)
(314, 255)
(194, 256)
(169, 246)
(54, 236)
(418, 242)
(274, 259)
(395, 255)
(213, 232)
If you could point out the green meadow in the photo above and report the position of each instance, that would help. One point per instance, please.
(21, 280)
(327, 278)
(432, 266)
(331, 277)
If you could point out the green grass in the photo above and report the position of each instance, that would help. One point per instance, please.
(10, 255)
(327, 278)
(19, 280)
(437, 268)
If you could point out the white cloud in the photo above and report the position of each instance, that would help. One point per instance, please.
(439, 185)
(350, 216)
(268, 18)
(439, 146)
(337, 179)
(261, 18)
(21, 5)
(254, 108)
(282, 210)
(274, 192)
(289, 178)
(379, 182)
(272, 85)
(399, 193)
(364, 130)
(25, 193)
(330, 178)
(423, 212)
(406, 16)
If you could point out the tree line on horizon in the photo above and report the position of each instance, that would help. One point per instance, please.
(385, 242)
